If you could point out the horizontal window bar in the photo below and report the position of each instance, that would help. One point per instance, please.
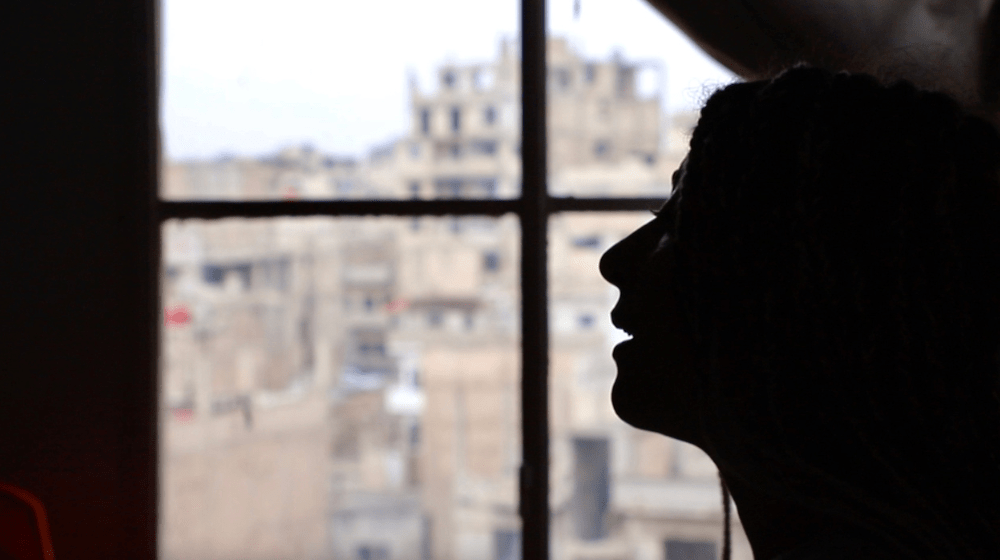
(572, 204)
(268, 209)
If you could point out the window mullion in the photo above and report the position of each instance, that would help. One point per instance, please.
(534, 476)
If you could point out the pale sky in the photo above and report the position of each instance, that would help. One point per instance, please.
(250, 77)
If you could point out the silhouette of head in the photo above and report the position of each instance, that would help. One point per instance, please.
(818, 305)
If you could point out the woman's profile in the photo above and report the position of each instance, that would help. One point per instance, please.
(817, 307)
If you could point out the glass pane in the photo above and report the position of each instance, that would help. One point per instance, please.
(617, 492)
(321, 100)
(624, 88)
(340, 388)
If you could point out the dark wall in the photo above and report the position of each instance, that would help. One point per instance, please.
(77, 392)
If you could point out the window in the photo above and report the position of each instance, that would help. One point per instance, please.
(491, 261)
(435, 318)
(506, 545)
(448, 187)
(369, 353)
(591, 488)
(690, 550)
(561, 78)
(625, 81)
(115, 231)
(483, 147)
(601, 148)
(587, 242)
(220, 275)
(425, 121)
(373, 552)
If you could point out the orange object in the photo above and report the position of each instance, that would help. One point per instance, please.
(24, 528)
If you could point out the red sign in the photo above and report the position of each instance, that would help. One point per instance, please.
(176, 315)
(183, 414)
(396, 305)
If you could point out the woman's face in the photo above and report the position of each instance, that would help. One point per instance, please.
(656, 384)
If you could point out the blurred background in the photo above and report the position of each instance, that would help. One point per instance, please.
(348, 388)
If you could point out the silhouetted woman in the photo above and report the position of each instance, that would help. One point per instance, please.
(817, 307)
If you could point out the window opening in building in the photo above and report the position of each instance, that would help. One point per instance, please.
(425, 121)
(506, 545)
(373, 552)
(587, 242)
(483, 147)
(561, 78)
(690, 550)
(601, 148)
(625, 82)
(491, 261)
(591, 487)
(435, 318)
(456, 119)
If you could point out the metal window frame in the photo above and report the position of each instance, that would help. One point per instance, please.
(533, 209)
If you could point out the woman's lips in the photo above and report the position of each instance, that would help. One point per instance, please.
(623, 320)
(621, 351)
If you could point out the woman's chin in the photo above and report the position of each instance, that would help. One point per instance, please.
(647, 406)
(631, 403)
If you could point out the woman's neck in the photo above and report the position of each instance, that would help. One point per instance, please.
(775, 525)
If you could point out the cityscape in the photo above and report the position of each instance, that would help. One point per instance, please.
(348, 388)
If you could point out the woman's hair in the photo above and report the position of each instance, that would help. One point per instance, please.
(838, 260)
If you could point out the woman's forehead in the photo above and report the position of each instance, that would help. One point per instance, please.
(678, 177)
(677, 180)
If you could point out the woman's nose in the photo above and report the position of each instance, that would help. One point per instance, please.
(612, 263)
(621, 262)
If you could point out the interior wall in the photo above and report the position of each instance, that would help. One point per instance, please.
(77, 389)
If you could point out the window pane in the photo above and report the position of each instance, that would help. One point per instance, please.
(334, 100)
(340, 388)
(617, 492)
(624, 88)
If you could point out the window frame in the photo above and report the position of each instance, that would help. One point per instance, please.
(533, 209)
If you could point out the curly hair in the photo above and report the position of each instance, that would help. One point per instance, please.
(838, 257)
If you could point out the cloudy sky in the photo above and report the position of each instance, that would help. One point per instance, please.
(249, 77)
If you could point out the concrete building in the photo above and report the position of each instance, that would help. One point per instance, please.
(348, 388)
